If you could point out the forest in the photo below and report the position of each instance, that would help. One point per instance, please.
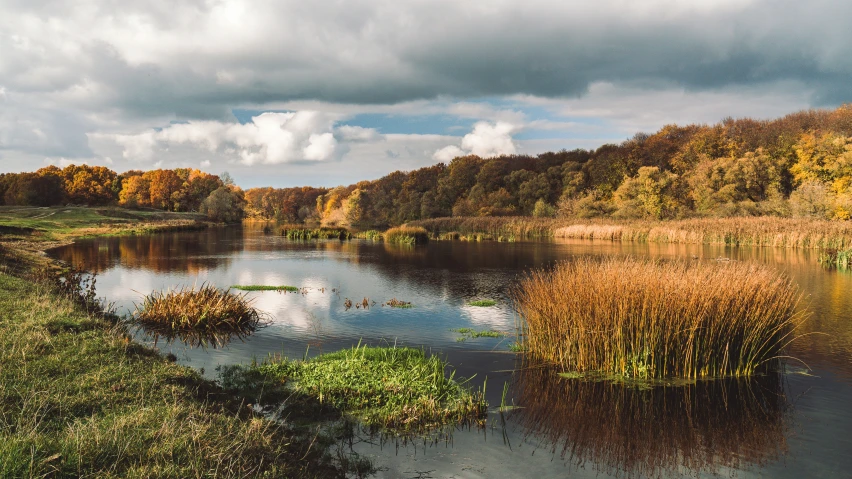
(799, 165)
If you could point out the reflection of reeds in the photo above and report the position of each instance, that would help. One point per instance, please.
(206, 312)
(652, 319)
(203, 339)
(651, 431)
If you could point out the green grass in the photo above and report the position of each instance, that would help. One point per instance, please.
(483, 303)
(291, 289)
(834, 258)
(371, 235)
(79, 399)
(52, 223)
(303, 233)
(470, 333)
(399, 390)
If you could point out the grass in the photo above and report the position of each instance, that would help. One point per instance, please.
(484, 303)
(298, 232)
(469, 333)
(206, 309)
(406, 235)
(833, 258)
(62, 223)
(79, 399)
(291, 289)
(371, 235)
(651, 319)
(401, 390)
(703, 427)
(748, 231)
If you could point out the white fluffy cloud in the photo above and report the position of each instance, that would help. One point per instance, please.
(269, 139)
(486, 140)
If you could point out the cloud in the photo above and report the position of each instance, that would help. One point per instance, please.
(270, 138)
(486, 140)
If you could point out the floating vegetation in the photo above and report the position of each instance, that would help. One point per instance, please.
(398, 389)
(406, 235)
(364, 303)
(203, 310)
(834, 258)
(651, 319)
(469, 333)
(395, 303)
(371, 235)
(291, 289)
(703, 427)
(485, 303)
(301, 233)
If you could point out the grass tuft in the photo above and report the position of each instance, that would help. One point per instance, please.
(406, 235)
(395, 303)
(485, 303)
(303, 233)
(206, 309)
(469, 333)
(650, 319)
(397, 389)
(255, 287)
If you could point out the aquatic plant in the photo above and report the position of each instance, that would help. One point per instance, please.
(400, 389)
(834, 258)
(303, 233)
(291, 289)
(654, 319)
(406, 235)
(470, 333)
(204, 309)
(371, 235)
(483, 303)
(395, 303)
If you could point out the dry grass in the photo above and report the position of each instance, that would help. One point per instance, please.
(750, 231)
(649, 319)
(206, 309)
(406, 235)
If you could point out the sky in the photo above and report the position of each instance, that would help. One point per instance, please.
(323, 93)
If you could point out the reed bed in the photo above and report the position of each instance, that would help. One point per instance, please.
(833, 258)
(302, 233)
(257, 287)
(650, 319)
(619, 429)
(206, 309)
(748, 231)
(406, 235)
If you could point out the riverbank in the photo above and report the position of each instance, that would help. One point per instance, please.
(748, 231)
(79, 398)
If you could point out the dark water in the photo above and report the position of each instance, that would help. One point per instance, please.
(797, 424)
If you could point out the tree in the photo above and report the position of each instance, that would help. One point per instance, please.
(164, 189)
(224, 205)
(89, 185)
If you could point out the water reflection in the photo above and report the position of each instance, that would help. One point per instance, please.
(655, 431)
(194, 338)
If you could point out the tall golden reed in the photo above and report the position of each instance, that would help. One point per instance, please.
(653, 319)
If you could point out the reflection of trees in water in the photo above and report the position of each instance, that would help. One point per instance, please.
(652, 431)
(185, 252)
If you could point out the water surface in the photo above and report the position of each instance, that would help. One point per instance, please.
(782, 425)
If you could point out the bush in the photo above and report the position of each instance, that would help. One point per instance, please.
(224, 205)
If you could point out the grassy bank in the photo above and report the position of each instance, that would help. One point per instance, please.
(78, 399)
(65, 223)
(750, 231)
(399, 390)
(650, 320)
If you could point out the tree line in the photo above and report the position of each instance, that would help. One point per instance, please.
(181, 189)
(798, 165)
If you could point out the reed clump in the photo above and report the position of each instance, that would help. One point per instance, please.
(258, 287)
(303, 233)
(483, 303)
(651, 319)
(204, 309)
(406, 235)
(834, 258)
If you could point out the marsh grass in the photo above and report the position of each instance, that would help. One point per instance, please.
(406, 235)
(303, 233)
(652, 319)
(470, 333)
(833, 258)
(395, 303)
(402, 390)
(371, 235)
(206, 309)
(289, 289)
(484, 303)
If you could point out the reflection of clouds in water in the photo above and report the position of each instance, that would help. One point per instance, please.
(297, 310)
(131, 286)
(495, 317)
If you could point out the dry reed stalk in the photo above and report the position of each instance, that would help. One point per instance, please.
(653, 319)
(206, 309)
